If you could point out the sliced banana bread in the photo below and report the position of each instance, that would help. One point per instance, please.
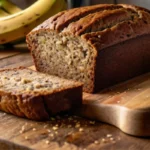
(30, 94)
(98, 45)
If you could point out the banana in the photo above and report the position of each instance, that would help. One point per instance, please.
(9, 7)
(17, 25)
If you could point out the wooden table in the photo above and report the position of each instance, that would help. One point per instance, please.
(72, 133)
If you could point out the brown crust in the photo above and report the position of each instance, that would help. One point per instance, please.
(63, 19)
(40, 106)
(99, 21)
(122, 61)
(120, 32)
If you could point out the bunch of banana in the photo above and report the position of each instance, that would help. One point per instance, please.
(15, 23)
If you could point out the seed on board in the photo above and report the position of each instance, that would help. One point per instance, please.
(99, 36)
(96, 142)
(26, 137)
(92, 122)
(109, 135)
(112, 139)
(48, 130)
(21, 131)
(81, 129)
(34, 129)
(104, 140)
(77, 125)
(55, 128)
(47, 142)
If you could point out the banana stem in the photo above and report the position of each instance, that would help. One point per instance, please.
(10, 7)
(3, 13)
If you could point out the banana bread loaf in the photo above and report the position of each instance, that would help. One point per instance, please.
(98, 45)
(37, 96)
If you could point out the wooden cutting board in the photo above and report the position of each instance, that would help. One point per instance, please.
(126, 106)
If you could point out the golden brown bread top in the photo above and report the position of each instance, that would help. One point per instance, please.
(63, 19)
(99, 21)
(101, 25)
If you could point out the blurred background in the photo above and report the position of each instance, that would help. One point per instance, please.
(78, 3)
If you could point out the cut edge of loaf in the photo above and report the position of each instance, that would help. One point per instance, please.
(77, 58)
(43, 105)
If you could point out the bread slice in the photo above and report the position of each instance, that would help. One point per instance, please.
(98, 45)
(37, 96)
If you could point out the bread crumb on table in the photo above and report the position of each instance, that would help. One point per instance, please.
(47, 142)
(81, 129)
(109, 135)
(34, 129)
(55, 128)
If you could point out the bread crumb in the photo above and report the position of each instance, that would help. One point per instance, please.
(81, 129)
(47, 142)
(26, 137)
(22, 129)
(112, 139)
(92, 122)
(34, 129)
(65, 143)
(48, 130)
(109, 135)
(51, 135)
(96, 142)
(55, 128)
(104, 140)
(77, 125)
(99, 36)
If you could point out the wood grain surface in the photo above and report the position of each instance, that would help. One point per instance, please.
(70, 132)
